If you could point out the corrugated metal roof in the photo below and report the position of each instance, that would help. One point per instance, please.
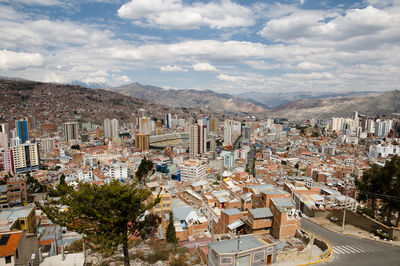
(233, 211)
(261, 213)
(231, 246)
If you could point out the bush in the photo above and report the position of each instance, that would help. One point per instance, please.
(75, 247)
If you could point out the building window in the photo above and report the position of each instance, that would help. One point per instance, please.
(226, 260)
(8, 259)
(258, 256)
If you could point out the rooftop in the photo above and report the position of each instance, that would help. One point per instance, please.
(15, 213)
(261, 213)
(233, 211)
(231, 246)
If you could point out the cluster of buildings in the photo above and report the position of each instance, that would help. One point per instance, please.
(221, 180)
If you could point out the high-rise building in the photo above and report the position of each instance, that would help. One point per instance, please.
(382, 128)
(214, 125)
(114, 128)
(142, 141)
(246, 134)
(47, 145)
(142, 113)
(167, 121)
(3, 136)
(197, 140)
(23, 158)
(206, 122)
(228, 125)
(144, 125)
(71, 132)
(22, 130)
(107, 128)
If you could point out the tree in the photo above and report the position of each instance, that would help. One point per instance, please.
(247, 168)
(144, 168)
(32, 184)
(171, 234)
(107, 215)
(76, 147)
(382, 183)
(62, 179)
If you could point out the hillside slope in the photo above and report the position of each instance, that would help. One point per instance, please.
(372, 105)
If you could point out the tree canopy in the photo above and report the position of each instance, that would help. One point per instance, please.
(171, 233)
(144, 168)
(106, 214)
(382, 183)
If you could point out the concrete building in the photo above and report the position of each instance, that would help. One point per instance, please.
(16, 191)
(214, 125)
(142, 141)
(22, 129)
(144, 125)
(248, 250)
(192, 169)
(4, 136)
(47, 145)
(228, 158)
(286, 220)
(23, 158)
(118, 171)
(228, 127)
(71, 132)
(197, 140)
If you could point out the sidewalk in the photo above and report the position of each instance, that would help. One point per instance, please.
(348, 230)
(315, 252)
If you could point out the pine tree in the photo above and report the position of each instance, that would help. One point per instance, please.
(171, 234)
(107, 215)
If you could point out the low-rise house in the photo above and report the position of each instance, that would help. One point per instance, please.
(286, 220)
(248, 250)
(259, 221)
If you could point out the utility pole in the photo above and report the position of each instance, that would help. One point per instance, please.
(238, 249)
(345, 207)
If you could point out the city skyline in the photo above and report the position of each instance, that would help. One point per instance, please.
(226, 46)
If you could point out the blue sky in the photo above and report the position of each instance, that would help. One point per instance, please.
(227, 46)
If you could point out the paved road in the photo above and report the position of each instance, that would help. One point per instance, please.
(348, 250)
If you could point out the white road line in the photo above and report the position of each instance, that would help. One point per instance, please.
(351, 247)
(344, 250)
(370, 249)
(336, 250)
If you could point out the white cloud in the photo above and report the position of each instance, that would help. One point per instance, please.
(10, 60)
(173, 14)
(172, 68)
(204, 67)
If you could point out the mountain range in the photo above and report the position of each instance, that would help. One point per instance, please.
(206, 99)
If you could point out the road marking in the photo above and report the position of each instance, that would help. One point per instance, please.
(354, 249)
(341, 250)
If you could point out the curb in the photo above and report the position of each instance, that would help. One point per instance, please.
(326, 257)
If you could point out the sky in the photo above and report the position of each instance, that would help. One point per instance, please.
(225, 45)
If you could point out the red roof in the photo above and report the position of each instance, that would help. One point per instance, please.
(9, 243)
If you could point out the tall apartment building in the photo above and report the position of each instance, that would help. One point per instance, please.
(167, 120)
(246, 134)
(71, 132)
(383, 127)
(4, 136)
(144, 125)
(22, 158)
(22, 130)
(192, 169)
(206, 122)
(142, 141)
(111, 128)
(214, 125)
(197, 140)
(228, 125)
(47, 145)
